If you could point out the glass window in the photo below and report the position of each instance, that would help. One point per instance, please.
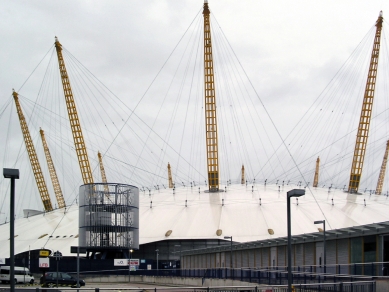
(66, 276)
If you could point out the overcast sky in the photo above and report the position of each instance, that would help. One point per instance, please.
(289, 49)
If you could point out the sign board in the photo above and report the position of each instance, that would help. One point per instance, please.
(44, 253)
(149, 267)
(2, 261)
(73, 249)
(134, 262)
(44, 263)
(132, 268)
(120, 262)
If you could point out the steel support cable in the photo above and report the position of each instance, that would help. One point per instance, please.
(78, 62)
(238, 130)
(274, 153)
(133, 113)
(247, 158)
(281, 138)
(198, 105)
(179, 97)
(322, 94)
(308, 113)
(188, 102)
(222, 90)
(163, 65)
(307, 159)
(320, 137)
(313, 125)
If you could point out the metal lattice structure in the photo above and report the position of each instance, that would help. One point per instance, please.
(53, 173)
(109, 222)
(36, 167)
(75, 125)
(242, 179)
(102, 170)
(367, 106)
(170, 178)
(210, 106)
(316, 177)
(381, 178)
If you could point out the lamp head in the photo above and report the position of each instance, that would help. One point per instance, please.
(296, 193)
(318, 222)
(227, 237)
(11, 173)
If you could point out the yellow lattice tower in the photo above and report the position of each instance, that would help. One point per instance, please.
(53, 173)
(381, 178)
(103, 176)
(170, 178)
(75, 125)
(316, 177)
(242, 181)
(367, 106)
(210, 106)
(36, 167)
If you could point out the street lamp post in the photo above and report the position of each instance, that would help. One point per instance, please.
(290, 194)
(12, 174)
(230, 237)
(324, 241)
(157, 250)
(129, 266)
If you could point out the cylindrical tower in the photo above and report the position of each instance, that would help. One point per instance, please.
(108, 220)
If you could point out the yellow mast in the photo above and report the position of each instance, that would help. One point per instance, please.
(53, 173)
(102, 170)
(364, 122)
(210, 106)
(78, 138)
(169, 173)
(242, 180)
(316, 177)
(36, 167)
(380, 182)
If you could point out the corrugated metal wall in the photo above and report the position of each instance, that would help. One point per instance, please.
(307, 254)
(281, 254)
(331, 252)
(258, 258)
(299, 252)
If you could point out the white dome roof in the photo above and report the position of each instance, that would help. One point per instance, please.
(244, 212)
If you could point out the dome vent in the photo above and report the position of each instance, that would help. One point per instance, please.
(271, 231)
(219, 232)
(167, 234)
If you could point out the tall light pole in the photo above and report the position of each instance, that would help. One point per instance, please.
(230, 237)
(157, 250)
(291, 194)
(324, 241)
(129, 266)
(12, 174)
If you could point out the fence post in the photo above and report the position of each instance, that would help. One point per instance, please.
(97, 289)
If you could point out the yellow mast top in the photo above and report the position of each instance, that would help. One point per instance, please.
(78, 138)
(36, 167)
(367, 106)
(53, 173)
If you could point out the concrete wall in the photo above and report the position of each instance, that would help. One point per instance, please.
(168, 281)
